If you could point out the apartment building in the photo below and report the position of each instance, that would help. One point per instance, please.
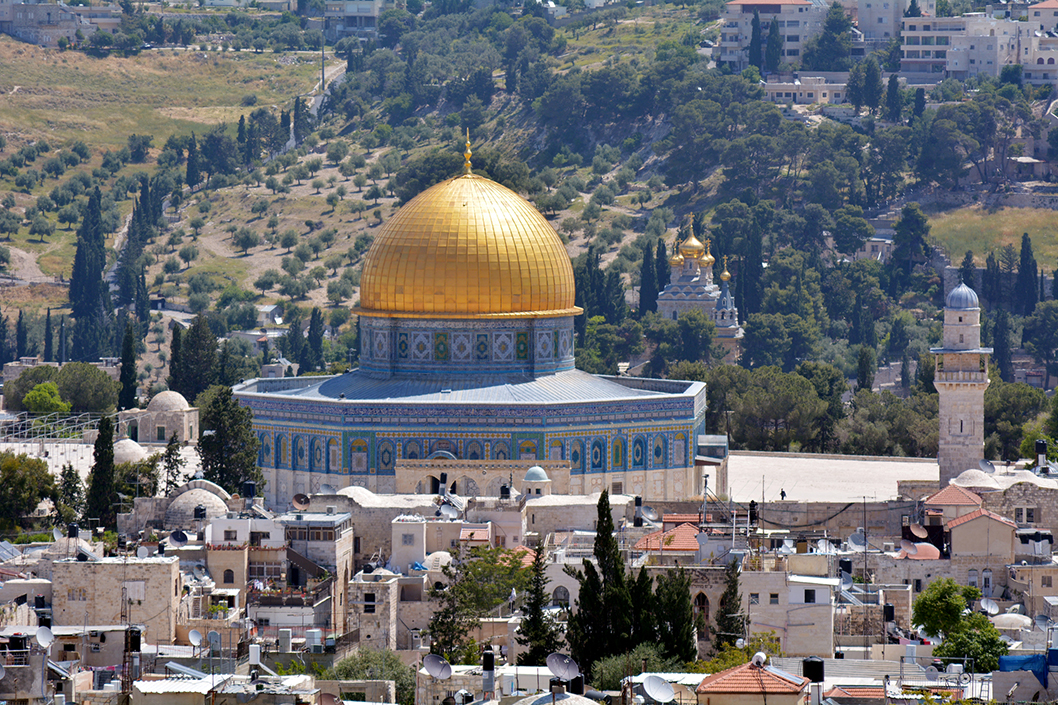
(799, 21)
(352, 18)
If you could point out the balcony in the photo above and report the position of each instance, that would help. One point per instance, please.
(961, 376)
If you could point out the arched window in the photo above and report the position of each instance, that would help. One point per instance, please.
(1050, 61)
(560, 597)
(701, 606)
(229, 577)
(1039, 60)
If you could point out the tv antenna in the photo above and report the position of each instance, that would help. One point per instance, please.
(659, 689)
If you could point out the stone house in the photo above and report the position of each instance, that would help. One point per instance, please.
(749, 683)
(168, 413)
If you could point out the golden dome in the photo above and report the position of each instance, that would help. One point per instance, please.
(676, 260)
(708, 260)
(467, 248)
(726, 275)
(691, 248)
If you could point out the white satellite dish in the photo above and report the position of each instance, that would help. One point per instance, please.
(213, 637)
(922, 633)
(449, 512)
(199, 571)
(177, 539)
(143, 552)
(909, 547)
(649, 513)
(932, 673)
(858, 542)
(328, 699)
(1014, 609)
(846, 582)
(250, 696)
(658, 689)
(328, 489)
(824, 546)
(195, 637)
(759, 659)
(45, 637)
(986, 466)
(740, 643)
(990, 606)
(562, 666)
(1005, 639)
(56, 534)
(919, 531)
(1043, 622)
(300, 502)
(437, 666)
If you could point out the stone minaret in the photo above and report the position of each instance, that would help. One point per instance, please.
(961, 379)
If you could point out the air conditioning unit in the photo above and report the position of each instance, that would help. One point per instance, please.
(317, 648)
(888, 546)
(331, 509)
(95, 648)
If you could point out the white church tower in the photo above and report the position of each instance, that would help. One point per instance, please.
(961, 379)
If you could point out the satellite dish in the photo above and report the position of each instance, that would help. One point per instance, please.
(922, 633)
(659, 689)
(437, 667)
(327, 489)
(449, 512)
(213, 637)
(759, 658)
(986, 466)
(45, 637)
(908, 547)
(824, 546)
(562, 666)
(649, 513)
(328, 699)
(919, 531)
(1014, 609)
(858, 542)
(932, 673)
(3, 672)
(199, 571)
(300, 502)
(195, 637)
(1005, 639)
(251, 695)
(143, 552)
(846, 581)
(177, 539)
(56, 534)
(1043, 622)
(990, 606)
(740, 643)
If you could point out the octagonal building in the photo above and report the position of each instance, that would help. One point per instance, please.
(467, 353)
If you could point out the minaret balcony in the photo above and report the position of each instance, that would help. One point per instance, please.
(960, 376)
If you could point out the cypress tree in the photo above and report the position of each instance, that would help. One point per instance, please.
(755, 41)
(194, 172)
(1001, 342)
(538, 632)
(920, 102)
(241, 134)
(676, 619)
(89, 294)
(5, 346)
(198, 358)
(648, 283)
(315, 340)
(773, 49)
(865, 368)
(905, 371)
(172, 466)
(98, 504)
(644, 617)
(661, 262)
(127, 395)
(1026, 294)
(967, 269)
(730, 624)
(176, 362)
(894, 101)
(49, 353)
(62, 340)
(293, 342)
(20, 336)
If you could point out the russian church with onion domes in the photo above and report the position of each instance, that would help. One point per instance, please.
(467, 352)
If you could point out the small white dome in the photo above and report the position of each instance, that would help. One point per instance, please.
(168, 401)
(181, 511)
(128, 451)
(536, 474)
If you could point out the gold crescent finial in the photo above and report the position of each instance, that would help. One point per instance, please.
(467, 155)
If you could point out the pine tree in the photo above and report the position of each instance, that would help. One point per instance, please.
(99, 502)
(913, 9)
(20, 336)
(127, 395)
(538, 632)
(894, 100)
(194, 171)
(1001, 342)
(872, 84)
(730, 623)
(49, 353)
(198, 357)
(755, 42)
(967, 270)
(227, 445)
(773, 49)
(648, 284)
(172, 466)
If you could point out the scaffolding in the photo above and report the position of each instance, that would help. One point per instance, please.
(49, 428)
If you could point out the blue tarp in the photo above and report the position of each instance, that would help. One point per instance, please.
(1037, 663)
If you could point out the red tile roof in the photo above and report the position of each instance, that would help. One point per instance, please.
(526, 554)
(953, 495)
(872, 692)
(752, 680)
(683, 538)
(980, 513)
(474, 535)
(1045, 5)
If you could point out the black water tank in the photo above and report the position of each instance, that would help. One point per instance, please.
(200, 511)
(133, 640)
(488, 661)
(71, 531)
(44, 621)
(505, 492)
(812, 669)
(845, 564)
(1041, 446)
(639, 501)
(888, 612)
(38, 602)
(839, 654)
(576, 686)
(249, 490)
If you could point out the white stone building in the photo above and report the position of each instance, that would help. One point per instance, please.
(799, 21)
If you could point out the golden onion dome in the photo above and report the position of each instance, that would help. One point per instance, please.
(708, 260)
(691, 248)
(676, 260)
(467, 248)
(726, 275)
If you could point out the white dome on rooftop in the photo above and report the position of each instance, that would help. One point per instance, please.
(536, 474)
(128, 451)
(168, 401)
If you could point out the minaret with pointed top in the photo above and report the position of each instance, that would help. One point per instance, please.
(961, 378)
